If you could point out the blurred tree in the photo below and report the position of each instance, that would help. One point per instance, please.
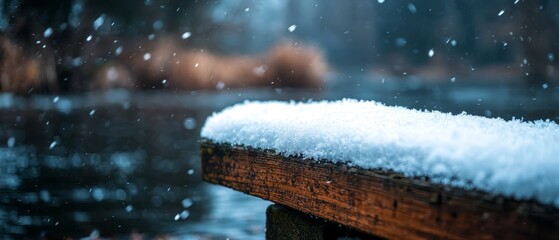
(59, 30)
(355, 34)
(539, 32)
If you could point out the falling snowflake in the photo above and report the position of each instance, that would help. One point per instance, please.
(292, 28)
(48, 32)
(147, 56)
(186, 35)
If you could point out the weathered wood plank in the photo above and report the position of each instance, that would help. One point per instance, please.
(376, 202)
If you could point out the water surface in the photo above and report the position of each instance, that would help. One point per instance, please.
(121, 164)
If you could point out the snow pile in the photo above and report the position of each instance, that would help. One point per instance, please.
(512, 158)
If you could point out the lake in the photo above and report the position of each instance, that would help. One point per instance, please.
(122, 164)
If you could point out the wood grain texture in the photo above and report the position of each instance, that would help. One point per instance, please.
(376, 202)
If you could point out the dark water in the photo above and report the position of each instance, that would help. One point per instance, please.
(119, 164)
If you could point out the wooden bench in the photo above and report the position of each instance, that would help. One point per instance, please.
(375, 202)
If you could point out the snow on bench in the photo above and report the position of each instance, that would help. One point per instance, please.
(515, 159)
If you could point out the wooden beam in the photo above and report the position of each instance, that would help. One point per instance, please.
(376, 202)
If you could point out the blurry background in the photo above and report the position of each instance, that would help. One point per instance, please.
(102, 102)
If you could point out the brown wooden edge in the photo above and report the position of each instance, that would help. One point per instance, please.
(373, 201)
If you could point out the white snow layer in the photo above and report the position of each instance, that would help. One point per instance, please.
(513, 158)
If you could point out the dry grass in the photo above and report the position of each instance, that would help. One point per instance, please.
(165, 63)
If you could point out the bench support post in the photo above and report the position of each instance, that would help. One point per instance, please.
(286, 223)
